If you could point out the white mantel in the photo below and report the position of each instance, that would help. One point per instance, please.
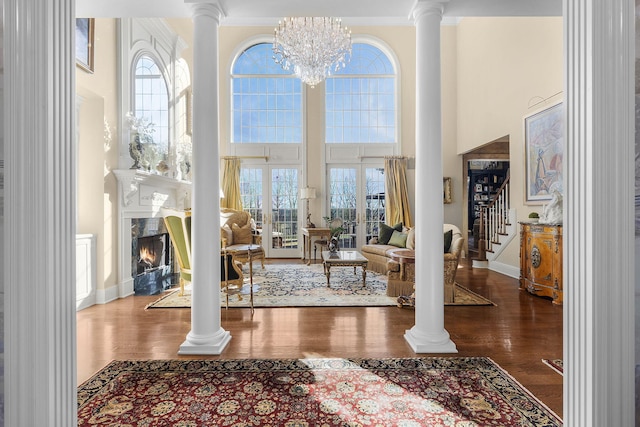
(140, 195)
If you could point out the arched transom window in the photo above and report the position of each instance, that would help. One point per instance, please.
(361, 99)
(266, 100)
(151, 103)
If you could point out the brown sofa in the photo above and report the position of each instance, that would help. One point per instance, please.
(401, 281)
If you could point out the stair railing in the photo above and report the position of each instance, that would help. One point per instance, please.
(494, 219)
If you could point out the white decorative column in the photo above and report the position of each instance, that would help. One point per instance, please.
(39, 241)
(207, 335)
(428, 334)
(598, 218)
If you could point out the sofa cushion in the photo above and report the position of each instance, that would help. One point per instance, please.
(398, 239)
(386, 232)
(448, 236)
(411, 238)
(377, 249)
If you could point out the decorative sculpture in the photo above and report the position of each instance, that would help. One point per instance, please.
(552, 213)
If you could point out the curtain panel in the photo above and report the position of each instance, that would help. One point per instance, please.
(231, 184)
(397, 208)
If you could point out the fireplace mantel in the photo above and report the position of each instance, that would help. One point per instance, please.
(144, 189)
(141, 195)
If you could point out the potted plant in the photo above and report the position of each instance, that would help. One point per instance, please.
(534, 217)
(335, 229)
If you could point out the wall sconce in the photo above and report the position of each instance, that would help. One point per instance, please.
(307, 193)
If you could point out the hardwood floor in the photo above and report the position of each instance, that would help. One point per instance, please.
(517, 333)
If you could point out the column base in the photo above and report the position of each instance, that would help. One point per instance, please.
(214, 345)
(422, 343)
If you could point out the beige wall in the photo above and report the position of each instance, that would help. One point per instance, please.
(505, 67)
(98, 151)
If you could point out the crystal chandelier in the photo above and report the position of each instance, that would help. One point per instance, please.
(313, 46)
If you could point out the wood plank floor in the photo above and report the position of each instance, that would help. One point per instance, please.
(517, 333)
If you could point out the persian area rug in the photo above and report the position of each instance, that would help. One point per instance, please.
(555, 364)
(296, 285)
(434, 391)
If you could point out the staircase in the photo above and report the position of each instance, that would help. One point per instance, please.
(497, 227)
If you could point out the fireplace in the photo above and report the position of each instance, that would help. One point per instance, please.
(141, 197)
(152, 263)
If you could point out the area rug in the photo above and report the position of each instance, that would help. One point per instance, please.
(434, 391)
(555, 364)
(295, 285)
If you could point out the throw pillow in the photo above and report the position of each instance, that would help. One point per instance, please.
(411, 238)
(386, 231)
(241, 235)
(398, 239)
(226, 233)
(448, 237)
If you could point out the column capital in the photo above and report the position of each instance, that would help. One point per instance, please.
(210, 8)
(427, 7)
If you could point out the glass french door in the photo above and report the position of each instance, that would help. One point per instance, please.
(357, 196)
(270, 195)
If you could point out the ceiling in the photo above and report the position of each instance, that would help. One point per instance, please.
(353, 12)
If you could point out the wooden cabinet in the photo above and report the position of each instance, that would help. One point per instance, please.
(541, 260)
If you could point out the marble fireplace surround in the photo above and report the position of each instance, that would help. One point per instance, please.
(140, 195)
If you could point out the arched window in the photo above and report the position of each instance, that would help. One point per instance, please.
(360, 99)
(151, 103)
(266, 100)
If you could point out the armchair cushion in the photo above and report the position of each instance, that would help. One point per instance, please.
(242, 235)
(226, 234)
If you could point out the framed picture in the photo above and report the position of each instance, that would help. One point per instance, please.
(446, 190)
(84, 43)
(543, 137)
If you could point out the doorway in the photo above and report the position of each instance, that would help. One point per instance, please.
(493, 156)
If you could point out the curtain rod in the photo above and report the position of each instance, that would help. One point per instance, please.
(386, 157)
(266, 158)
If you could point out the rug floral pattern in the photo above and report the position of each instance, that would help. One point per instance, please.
(410, 392)
(283, 285)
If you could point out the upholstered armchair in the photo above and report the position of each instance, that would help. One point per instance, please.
(179, 227)
(236, 234)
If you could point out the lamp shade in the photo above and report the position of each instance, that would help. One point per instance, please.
(308, 193)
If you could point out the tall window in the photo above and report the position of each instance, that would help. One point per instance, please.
(266, 100)
(151, 102)
(361, 99)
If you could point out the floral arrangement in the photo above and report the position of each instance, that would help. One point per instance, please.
(141, 126)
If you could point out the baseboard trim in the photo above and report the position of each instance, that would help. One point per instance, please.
(505, 269)
(107, 295)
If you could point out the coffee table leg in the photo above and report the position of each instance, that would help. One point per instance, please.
(364, 276)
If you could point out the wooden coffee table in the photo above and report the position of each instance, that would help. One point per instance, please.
(351, 258)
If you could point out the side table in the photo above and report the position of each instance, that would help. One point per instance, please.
(404, 257)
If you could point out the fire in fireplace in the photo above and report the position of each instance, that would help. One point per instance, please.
(152, 252)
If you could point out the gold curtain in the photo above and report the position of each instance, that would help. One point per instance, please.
(231, 184)
(397, 208)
